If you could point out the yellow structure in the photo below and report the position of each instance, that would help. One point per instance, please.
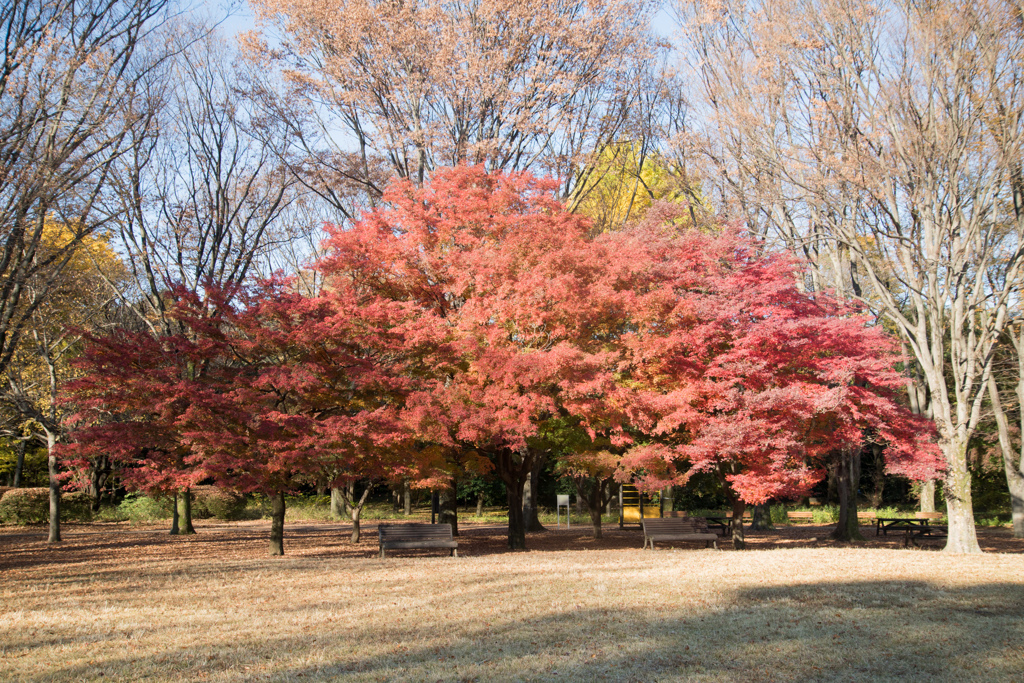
(634, 506)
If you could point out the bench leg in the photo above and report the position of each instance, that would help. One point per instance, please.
(382, 553)
(455, 552)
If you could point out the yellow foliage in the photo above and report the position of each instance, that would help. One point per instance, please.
(624, 182)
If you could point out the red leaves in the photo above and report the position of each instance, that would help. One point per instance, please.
(475, 316)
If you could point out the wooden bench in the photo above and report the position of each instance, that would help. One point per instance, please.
(677, 529)
(800, 516)
(411, 536)
(928, 515)
(867, 516)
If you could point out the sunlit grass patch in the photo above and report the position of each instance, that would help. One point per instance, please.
(134, 605)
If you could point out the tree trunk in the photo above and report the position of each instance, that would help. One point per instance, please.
(736, 525)
(448, 510)
(878, 477)
(480, 504)
(355, 509)
(761, 519)
(596, 497)
(667, 500)
(96, 476)
(963, 537)
(833, 485)
(1014, 472)
(186, 513)
(516, 522)
(514, 467)
(530, 487)
(847, 479)
(51, 465)
(19, 464)
(407, 496)
(174, 515)
(928, 496)
(336, 503)
(277, 523)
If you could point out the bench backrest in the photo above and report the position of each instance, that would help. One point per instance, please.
(676, 525)
(800, 514)
(415, 532)
(928, 515)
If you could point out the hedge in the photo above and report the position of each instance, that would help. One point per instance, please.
(32, 506)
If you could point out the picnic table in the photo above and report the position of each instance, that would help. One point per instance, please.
(719, 521)
(912, 528)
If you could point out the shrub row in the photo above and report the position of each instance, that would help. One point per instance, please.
(32, 506)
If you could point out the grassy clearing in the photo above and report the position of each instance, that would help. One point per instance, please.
(140, 605)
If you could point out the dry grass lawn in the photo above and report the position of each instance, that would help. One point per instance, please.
(115, 604)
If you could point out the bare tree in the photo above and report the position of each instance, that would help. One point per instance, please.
(413, 86)
(882, 140)
(40, 364)
(66, 113)
(1011, 449)
(201, 195)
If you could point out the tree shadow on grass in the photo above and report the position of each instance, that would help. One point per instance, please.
(844, 631)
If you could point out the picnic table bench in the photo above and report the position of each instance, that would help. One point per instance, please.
(677, 529)
(800, 515)
(416, 535)
(913, 528)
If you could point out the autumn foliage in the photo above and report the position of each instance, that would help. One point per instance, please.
(473, 321)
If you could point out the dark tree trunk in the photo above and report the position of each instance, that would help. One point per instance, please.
(833, 485)
(595, 493)
(448, 512)
(514, 467)
(407, 496)
(516, 523)
(396, 499)
(761, 518)
(530, 488)
(174, 515)
(19, 464)
(355, 508)
(277, 523)
(877, 476)
(847, 480)
(97, 477)
(736, 525)
(321, 489)
(51, 464)
(186, 513)
(480, 504)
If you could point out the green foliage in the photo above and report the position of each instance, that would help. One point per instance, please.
(25, 506)
(777, 513)
(34, 471)
(137, 507)
(75, 507)
(32, 506)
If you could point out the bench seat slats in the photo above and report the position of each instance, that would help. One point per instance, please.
(390, 545)
(677, 529)
(416, 535)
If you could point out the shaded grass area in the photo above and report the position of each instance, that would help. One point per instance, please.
(140, 605)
